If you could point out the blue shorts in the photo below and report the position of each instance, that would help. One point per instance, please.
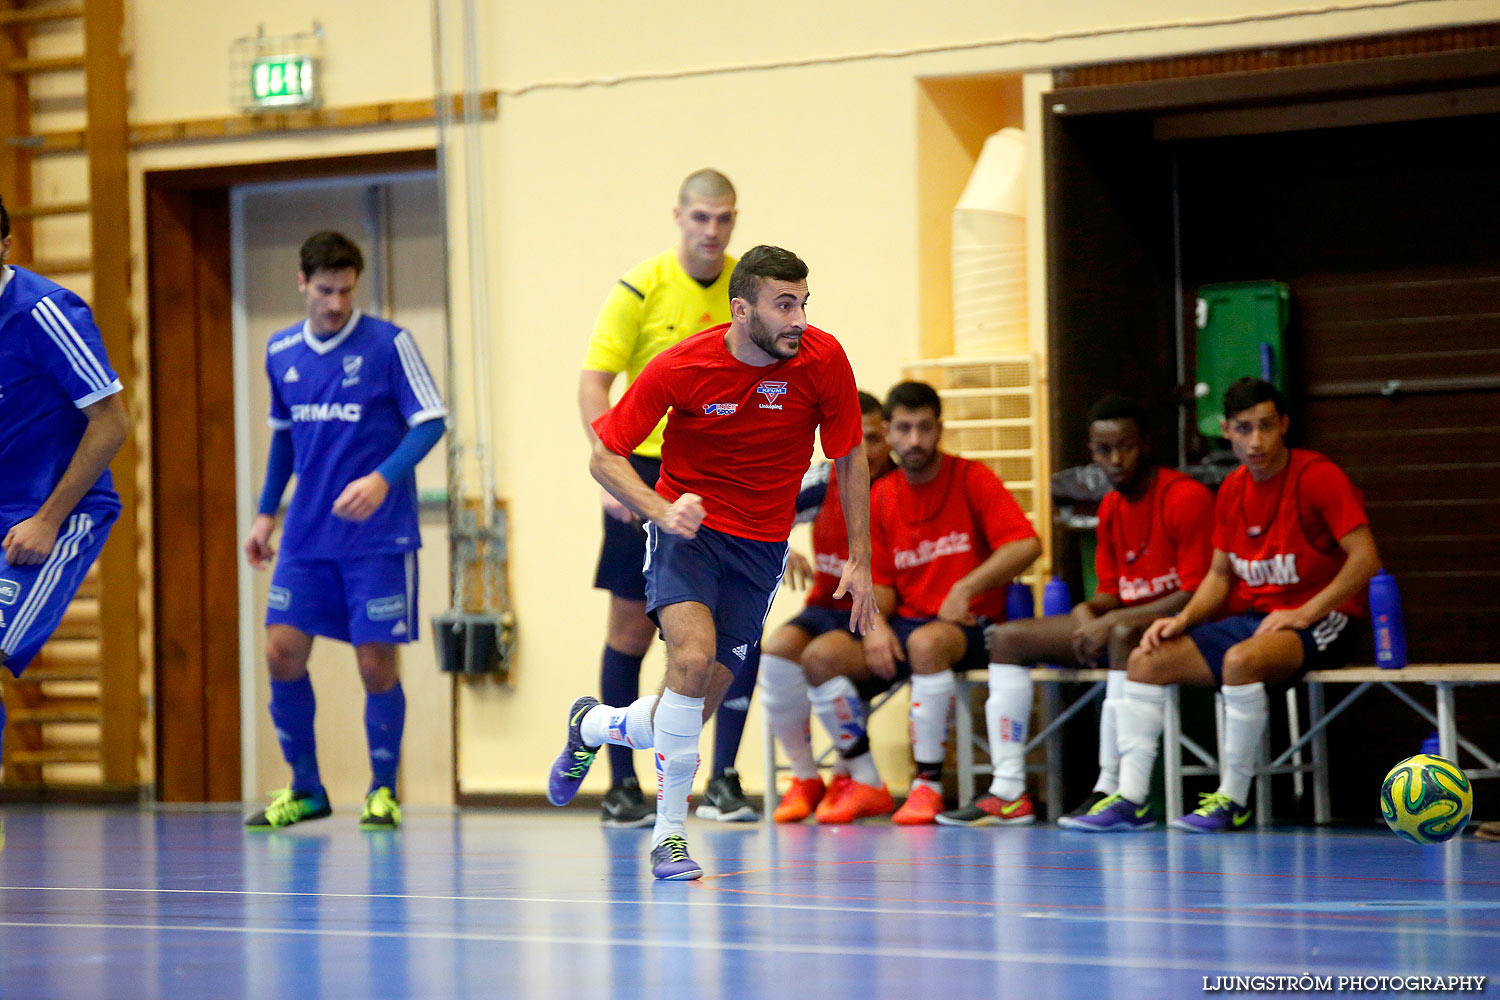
(736, 578)
(624, 549)
(817, 620)
(1325, 646)
(34, 598)
(370, 599)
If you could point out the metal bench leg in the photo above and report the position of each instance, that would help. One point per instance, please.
(1322, 811)
(772, 795)
(1294, 732)
(1171, 750)
(1261, 777)
(964, 733)
(1052, 699)
(1447, 725)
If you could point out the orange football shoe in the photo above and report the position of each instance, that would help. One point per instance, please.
(921, 808)
(836, 789)
(856, 802)
(801, 797)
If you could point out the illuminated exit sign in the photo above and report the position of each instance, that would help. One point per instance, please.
(284, 82)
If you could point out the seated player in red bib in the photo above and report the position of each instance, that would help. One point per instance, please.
(947, 538)
(1155, 542)
(1293, 554)
(822, 623)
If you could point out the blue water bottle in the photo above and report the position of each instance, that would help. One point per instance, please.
(1056, 598)
(1019, 602)
(1385, 615)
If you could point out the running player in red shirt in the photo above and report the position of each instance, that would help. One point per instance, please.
(824, 621)
(742, 402)
(1293, 554)
(1155, 543)
(947, 537)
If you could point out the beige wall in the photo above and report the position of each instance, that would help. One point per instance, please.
(812, 112)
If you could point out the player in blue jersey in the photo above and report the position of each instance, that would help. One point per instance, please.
(353, 409)
(62, 418)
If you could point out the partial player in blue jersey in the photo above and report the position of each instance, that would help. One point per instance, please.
(353, 409)
(62, 419)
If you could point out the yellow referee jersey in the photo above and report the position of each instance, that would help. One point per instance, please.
(653, 307)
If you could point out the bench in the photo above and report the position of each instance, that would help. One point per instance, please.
(1305, 756)
(1443, 678)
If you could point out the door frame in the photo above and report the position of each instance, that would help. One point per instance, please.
(197, 634)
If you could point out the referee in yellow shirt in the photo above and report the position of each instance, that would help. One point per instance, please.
(657, 304)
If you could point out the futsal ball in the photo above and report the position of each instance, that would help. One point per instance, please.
(1426, 799)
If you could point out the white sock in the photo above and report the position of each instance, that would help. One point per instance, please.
(842, 712)
(1246, 711)
(679, 723)
(624, 727)
(783, 697)
(1138, 722)
(931, 703)
(1109, 739)
(1007, 715)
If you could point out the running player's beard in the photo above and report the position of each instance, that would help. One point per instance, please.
(762, 337)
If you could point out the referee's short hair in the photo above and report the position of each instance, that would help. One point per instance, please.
(706, 183)
(759, 264)
(330, 251)
(4, 221)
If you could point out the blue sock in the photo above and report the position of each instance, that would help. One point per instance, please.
(385, 719)
(292, 709)
(729, 723)
(619, 685)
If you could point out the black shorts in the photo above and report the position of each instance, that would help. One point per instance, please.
(1325, 646)
(817, 620)
(623, 552)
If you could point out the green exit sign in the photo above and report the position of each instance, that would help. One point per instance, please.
(284, 82)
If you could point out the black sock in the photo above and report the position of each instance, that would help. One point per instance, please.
(619, 685)
(729, 723)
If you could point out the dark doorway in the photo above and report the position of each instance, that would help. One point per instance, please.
(195, 547)
(1368, 188)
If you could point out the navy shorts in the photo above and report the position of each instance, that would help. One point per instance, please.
(816, 620)
(372, 599)
(735, 578)
(1325, 646)
(34, 598)
(624, 549)
(976, 652)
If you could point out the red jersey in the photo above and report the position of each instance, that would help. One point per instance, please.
(1282, 535)
(830, 542)
(1158, 543)
(926, 538)
(738, 435)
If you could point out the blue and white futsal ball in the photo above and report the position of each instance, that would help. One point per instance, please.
(1426, 799)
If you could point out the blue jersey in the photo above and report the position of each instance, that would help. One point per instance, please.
(52, 365)
(348, 400)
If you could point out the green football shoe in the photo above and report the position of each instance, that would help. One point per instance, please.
(382, 811)
(287, 808)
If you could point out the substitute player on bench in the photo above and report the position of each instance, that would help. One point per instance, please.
(1293, 554)
(1155, 541)
(353, 409)
(744, 402)
(947, 537)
